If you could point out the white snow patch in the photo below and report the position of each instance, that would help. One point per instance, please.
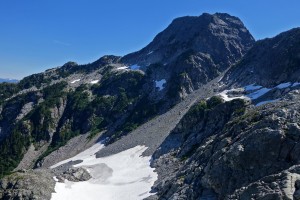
(265, 102)
(55, 179)
(284, 85)
(121, 68)
(258, 91)
(77, 80)
(94, 81)
(135, 67)
(126, 175)
(150, 52)
(87, 154)
(252, 87)
(225, 96)
(220, 79)
(255, 91)
(160, 84)
(240, 147)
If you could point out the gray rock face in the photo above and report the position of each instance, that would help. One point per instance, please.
(219, 35)
(193, 51)
(74, 175)
(71, 149)
(270, 62)
(27, 185)
(284, 185)
(235, 151)
(13, 111)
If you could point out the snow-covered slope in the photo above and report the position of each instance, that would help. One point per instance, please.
(126, 175)
(255, 92)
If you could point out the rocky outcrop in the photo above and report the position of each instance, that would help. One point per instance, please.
(284, 185)
(218, 36)
(74, 175)
(270, 62)
(37, 184)
(73, 147)
(192, 51)
(25, 185)
(234, 151)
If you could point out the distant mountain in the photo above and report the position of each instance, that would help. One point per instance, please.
(3, 80)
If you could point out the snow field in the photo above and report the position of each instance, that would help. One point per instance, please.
(254, 92)
(125, 175)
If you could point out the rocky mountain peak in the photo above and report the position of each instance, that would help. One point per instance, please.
(193, 50)
(107, 59)
(69, 65)
(204, 33)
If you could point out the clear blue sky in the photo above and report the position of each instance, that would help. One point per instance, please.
(39, 34)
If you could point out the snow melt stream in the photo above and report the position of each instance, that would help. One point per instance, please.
(77, 80)
(126, 175)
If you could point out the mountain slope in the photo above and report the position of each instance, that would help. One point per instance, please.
(270, 62)
(234, 150)
(215, 119)
(48, 109)
(193, 50)
(219, 35)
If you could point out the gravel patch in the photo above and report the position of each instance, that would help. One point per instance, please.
(153, 133)
(71, 149)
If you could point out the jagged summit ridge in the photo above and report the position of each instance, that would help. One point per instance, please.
(191, 51)
(201, 34)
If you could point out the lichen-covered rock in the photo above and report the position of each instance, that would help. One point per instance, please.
(74, 175)
(191, 51)
(270, 62)
(27, 185)
(235, 151)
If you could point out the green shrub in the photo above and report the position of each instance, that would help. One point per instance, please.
(214, 101)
